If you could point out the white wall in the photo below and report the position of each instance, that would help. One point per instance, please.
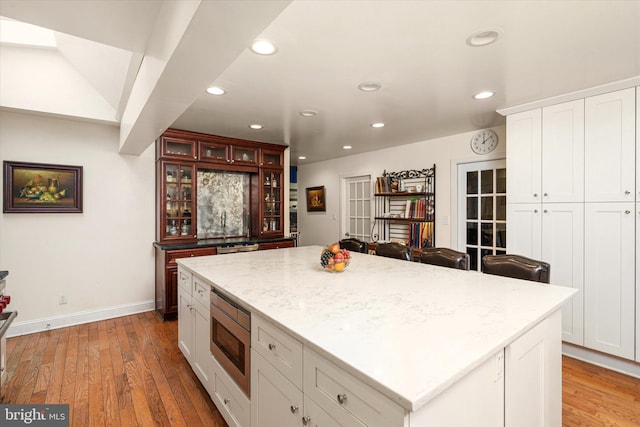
(101, 259)
(321, 228)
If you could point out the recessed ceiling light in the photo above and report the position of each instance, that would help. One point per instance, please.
(484, 37)
(308, 113)
(302, 157)
(347, 147)
(377, 125)
(256, 126)
(264, 47)
(369, 86)
(483, 95)
(216, 90)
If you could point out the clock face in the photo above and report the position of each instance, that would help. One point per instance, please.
(484, 141)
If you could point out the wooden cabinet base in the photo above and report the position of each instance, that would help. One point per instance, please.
(167, 278)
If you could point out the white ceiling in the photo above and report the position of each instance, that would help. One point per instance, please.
(415, 49)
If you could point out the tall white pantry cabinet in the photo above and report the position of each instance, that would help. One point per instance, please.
(573, 197)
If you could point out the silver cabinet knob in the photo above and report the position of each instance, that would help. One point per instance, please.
(535, 194)
(545, 211)
(272, 347)
(306, 420)
(627, 212)
(342, 398)
(535, 211)
(294, 409)
(546, 194)
(226, 401)
(627, 192)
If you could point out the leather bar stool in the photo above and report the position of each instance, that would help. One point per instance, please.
(516, 266)
(354, 245)
(445, 257)
(394, 250)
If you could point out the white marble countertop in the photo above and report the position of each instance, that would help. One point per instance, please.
(409, 330)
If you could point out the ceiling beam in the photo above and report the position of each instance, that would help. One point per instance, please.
(191, 45)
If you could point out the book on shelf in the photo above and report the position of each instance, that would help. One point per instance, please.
(415, 209)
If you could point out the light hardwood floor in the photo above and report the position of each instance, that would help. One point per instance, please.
(129, 371)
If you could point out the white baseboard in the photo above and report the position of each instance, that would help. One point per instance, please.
(624, 366)
(39, 325)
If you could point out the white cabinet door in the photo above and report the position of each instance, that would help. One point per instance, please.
(202, 361)
(563, 249)
(563, 152)
(533, 377)
(609, 278)
(638, 143)
(638, 279)
(524, 229)
(185, 323)
(609, 150)
(524, 139)
(275, 401)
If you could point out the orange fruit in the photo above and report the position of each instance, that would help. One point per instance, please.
(339, 266)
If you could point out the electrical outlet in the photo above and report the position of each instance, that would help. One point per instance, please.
(63, 299)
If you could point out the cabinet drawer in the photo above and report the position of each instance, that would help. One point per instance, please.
(279, 348)
(172, 256)
(184, 279)
(201, 292)
(316, 416)
(232, 403)
(345, 398)
(275, 245)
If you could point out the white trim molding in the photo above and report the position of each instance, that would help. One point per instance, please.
(624, 366)
(572, 96)
(56, 322)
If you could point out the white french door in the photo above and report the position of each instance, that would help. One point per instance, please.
(356, 214)
(482, 209)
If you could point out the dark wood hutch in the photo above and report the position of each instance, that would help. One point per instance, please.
(180, 155)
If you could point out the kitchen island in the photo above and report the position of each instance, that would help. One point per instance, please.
(412, 343)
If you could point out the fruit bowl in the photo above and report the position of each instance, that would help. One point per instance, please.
(333, 259)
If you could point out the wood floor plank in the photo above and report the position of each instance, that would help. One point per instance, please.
(110, 396)
(80, 412)
(54, 388)
(68, 388)
(95, 390)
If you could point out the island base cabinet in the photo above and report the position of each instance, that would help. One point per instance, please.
(276, 401)
(185, 324)
(230, 400)
(481, 392)
(533, 376)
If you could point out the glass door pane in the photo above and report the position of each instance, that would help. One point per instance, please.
(482, 210)
(357, 215)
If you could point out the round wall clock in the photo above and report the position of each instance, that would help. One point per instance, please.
(484, 141)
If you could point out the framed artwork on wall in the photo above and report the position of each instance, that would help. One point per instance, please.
(315, 199)
(41, 188)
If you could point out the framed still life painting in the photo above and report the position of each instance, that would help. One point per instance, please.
(41, 188)
(315, 199)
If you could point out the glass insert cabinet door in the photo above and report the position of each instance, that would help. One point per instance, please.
(271, 201)
(178, 209)
(483, 210)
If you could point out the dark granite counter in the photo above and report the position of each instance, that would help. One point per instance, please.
(207, 243)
